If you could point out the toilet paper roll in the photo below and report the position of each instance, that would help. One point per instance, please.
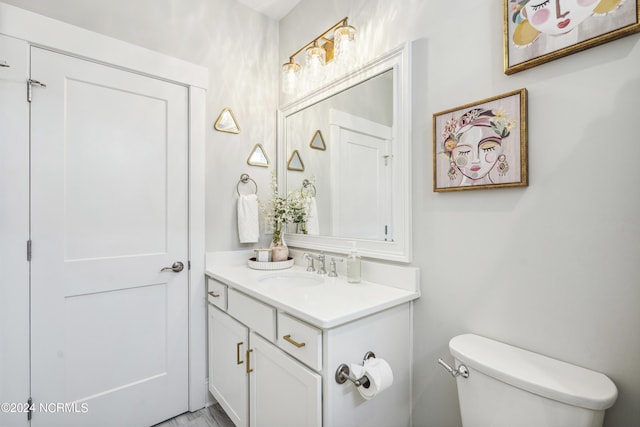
(379, 374)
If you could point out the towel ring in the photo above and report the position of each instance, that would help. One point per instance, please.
(306, 183)
(244, 179)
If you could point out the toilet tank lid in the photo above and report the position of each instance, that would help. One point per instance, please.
(535, 373)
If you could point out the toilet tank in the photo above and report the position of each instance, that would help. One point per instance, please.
(508, 386)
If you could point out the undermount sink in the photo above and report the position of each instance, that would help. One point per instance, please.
(292, 279)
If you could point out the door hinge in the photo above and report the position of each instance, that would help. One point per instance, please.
(30, 411)
(30, 84)
(28, 250)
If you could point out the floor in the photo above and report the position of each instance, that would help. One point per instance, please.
(212, 416)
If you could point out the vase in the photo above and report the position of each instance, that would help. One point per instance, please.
(301, 228)
(279, 248)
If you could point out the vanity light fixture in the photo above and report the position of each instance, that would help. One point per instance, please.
(336, 44)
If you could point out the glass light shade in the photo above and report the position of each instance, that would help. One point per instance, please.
(315, 60)
(344, 41)
(290, 74)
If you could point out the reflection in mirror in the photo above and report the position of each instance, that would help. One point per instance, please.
(317, 142)
(258, 157)
(295, 162)
(363, 177)
(355, 176)
(227, 122)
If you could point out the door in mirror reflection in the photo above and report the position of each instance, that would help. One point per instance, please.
(362, 160)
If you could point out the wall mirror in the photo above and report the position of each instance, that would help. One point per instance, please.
(258, 157)
(295, 162)
(317, 142)
(363, 176)
(226, 122)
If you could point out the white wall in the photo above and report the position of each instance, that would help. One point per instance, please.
(238, 45)
(552, 267)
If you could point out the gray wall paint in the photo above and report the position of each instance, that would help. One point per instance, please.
(552, 267)
(239, 47)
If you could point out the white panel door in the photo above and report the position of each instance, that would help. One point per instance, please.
(14, 230)
(109, 210)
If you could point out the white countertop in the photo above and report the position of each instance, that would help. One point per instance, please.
(328, 304)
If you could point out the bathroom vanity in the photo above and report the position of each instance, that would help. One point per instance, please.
(276, 339)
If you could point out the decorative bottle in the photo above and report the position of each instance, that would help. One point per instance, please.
(354, 265)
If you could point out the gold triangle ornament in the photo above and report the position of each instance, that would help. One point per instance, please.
(317, 142)
(227, 122)
(295, 162)
(258, 157)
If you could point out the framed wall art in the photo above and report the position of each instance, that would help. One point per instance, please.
(482, 144)
(539, 31)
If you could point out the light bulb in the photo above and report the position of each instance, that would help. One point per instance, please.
(290, 74)
(315, 60)
(344, 39)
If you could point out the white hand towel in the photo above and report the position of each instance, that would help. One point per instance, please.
(313, 226)
(248, 222)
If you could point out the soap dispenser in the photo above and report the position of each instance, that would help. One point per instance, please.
(354, 267)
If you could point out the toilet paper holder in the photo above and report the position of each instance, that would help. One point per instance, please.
(343, 373)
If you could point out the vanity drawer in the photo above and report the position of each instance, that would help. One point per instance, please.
(256, 315)
(217, 293)
(302, 341)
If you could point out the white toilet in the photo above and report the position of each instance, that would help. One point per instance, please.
(511, 387)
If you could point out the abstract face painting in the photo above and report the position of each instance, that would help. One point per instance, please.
(481, 145)
(541, 30)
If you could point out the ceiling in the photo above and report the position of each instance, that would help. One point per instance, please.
(275, 9)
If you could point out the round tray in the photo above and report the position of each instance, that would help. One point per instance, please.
(275, 265)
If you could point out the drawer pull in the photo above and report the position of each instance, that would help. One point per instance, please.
(238, 361)
(248, 357)
(290, 340)
(213, 294)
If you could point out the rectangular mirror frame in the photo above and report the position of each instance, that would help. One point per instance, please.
(400, 249)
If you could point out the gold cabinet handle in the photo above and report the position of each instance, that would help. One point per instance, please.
(238, 361)
(213, 294)
(290, 340)
(248, 357)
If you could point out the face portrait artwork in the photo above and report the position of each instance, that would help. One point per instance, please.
(473, 144)
(554, 17)
(481, 145)
(542, 30)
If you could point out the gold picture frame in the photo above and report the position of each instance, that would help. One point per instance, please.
(482, 144)
(539, 31)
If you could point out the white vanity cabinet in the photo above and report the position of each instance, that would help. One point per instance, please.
(270, 366)
(255, 382)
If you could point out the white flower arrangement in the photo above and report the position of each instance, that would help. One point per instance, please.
(282, 210)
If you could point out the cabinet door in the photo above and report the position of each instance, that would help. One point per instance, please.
(284, 393)
(228, 382)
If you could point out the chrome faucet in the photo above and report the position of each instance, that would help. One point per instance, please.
(332, 269)
(321, 261)
(309, 258)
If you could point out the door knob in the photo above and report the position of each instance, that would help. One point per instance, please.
(177, 267)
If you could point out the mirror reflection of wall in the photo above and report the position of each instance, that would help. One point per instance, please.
(371, 101)
(317, 142)
(295, 162)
